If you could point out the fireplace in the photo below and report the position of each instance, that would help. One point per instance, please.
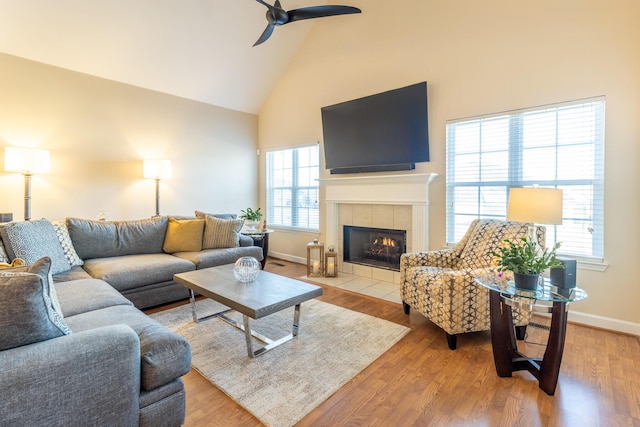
(375, 247)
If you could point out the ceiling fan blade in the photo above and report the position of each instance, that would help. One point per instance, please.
(320, 12)
(262, 2)
(265, 35)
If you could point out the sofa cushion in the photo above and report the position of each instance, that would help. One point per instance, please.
(165, 356)
(26, 311)
(66, 243)
(32, 240)
(76, 273)
(81, 296)
(485, 237)
(102, 239)
(133, 271)
(221, 233)
(183, 235)
(214, 257)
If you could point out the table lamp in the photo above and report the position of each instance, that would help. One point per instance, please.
(535, 205)
(157, 169)
(26, 161)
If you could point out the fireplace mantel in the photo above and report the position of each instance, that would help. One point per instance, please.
(406, 189)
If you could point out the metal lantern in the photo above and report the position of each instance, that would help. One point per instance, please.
(331, 262)
(315, 259)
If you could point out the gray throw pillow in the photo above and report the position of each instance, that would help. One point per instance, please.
(32, 240)
(27, 313)
(43, 268)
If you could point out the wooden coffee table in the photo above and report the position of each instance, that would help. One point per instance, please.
(267, 294)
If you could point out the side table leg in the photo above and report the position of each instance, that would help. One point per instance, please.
(502, 335)
(550, 367)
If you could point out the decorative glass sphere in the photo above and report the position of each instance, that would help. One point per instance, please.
(246, 269)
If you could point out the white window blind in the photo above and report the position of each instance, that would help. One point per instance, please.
(556, 146)
(292, 187)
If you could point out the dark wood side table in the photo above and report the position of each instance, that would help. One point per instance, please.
(260, 238)
(546, 298)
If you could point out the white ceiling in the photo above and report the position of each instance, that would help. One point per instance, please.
(196, 49)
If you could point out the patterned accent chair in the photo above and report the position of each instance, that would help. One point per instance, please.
(440, 284)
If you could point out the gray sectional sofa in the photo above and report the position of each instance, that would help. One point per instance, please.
(74, 349)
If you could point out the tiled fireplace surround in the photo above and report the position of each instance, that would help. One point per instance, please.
(399, 202)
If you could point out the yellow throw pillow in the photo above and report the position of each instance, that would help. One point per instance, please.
(17, 262)
(183, 235)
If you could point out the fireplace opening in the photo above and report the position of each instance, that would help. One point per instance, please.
(375, 247)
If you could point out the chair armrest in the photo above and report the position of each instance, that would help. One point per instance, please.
(86, 378)
(443, 258)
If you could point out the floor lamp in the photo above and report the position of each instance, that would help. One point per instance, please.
(27, 161)
(157, 170)
(535, 205)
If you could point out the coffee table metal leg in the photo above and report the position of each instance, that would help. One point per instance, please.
(192, 298)
(296, 320)
(247, 334)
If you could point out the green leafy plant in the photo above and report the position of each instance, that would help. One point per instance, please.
(525, 257)
(251, 215)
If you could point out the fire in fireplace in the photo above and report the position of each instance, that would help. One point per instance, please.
(375, 247)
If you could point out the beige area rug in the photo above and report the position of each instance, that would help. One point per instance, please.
(284, 384)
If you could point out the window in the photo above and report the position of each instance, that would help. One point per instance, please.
(557, 146)
(292, 187)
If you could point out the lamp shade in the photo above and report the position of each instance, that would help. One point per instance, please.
(535, 205)
(26, 160)
(157, 169)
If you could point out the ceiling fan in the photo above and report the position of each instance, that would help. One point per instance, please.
(276, 15)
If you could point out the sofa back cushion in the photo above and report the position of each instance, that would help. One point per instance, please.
(487, 235)
(104, 239)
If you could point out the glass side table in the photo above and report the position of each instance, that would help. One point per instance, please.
(546, 298)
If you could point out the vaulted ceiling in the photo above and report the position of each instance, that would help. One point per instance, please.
(196, 49)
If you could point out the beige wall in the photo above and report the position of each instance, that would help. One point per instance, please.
(98, 131)
(478, 58)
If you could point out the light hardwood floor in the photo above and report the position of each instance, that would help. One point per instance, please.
(420, 382)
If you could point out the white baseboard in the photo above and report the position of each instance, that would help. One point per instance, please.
(574, 316)
(288, 257)
(605, 322)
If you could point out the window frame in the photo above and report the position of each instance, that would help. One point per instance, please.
(514, 175)
(295, 189)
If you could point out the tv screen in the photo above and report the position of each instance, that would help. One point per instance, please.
(383, 132)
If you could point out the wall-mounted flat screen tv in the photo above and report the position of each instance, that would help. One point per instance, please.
(383, 132)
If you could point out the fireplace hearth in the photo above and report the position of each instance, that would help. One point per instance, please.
(375, 247)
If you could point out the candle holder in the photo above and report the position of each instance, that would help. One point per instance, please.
(315, 259)
(331, 263)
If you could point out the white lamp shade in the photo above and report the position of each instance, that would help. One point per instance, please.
(157, 169)
(535, 205)
(26, 160)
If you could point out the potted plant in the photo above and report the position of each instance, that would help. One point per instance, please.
(526, 260)
(251, 218)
